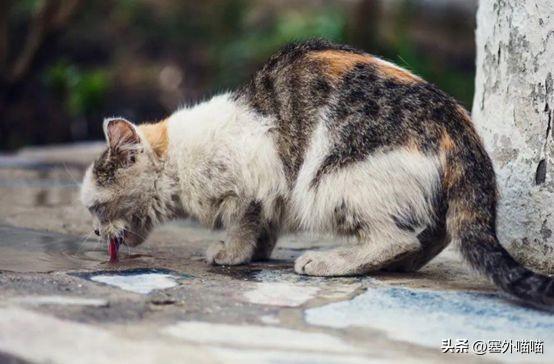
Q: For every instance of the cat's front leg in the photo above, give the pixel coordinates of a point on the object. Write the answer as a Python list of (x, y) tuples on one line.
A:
[(251, 238)]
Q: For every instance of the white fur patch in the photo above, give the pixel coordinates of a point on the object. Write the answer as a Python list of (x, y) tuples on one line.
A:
[(222, 156), (222, 137), (384, 185)]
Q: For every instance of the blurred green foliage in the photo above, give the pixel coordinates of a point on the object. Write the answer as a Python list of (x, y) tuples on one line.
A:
[(110, 58), (252, 44), (22, 8), (403, 51), (83, 91)]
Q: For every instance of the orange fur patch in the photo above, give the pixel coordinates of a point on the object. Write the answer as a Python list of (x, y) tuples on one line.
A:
[(337, 63), (446, 143), (464, 114), (156, 134), (413, 145), (462, 214), (452, 173)]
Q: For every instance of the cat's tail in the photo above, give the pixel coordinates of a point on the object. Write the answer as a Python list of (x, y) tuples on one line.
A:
[(471, 221)]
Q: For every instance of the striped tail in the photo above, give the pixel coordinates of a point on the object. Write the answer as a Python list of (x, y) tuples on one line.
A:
[(471, 221)]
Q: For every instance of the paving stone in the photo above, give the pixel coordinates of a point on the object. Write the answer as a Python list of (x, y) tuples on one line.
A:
[(40, 338), (62, 302), (257, 337), (280, 294), (426, 317)]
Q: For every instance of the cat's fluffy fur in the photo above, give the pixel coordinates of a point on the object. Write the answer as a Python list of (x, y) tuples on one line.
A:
[(323, 138)]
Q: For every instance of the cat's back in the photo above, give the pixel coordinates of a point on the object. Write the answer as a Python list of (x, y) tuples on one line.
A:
[(307, 73), (364, 102), (343, 115)]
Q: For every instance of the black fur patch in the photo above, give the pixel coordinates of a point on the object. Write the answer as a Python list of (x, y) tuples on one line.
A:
[(368, 112), (347, 222), (292, 89), (106, 166)]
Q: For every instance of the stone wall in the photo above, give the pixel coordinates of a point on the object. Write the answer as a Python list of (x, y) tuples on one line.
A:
[(512, 108)]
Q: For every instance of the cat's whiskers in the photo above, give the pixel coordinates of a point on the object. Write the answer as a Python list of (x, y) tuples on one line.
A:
[(77, 183), (84, 238), (137, 234)]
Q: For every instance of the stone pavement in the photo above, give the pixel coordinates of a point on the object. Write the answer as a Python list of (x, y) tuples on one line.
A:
[(61, 302)]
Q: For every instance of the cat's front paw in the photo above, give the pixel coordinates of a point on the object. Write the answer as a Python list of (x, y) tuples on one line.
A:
[(221, 254), (315, 264)]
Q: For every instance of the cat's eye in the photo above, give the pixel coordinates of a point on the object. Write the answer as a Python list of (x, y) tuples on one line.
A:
[(99, 210)]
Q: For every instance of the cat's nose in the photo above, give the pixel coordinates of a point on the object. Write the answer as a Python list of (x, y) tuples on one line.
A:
[(97, 232)]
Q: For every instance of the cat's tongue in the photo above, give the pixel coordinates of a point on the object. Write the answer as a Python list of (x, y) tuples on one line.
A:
[(113, 248)]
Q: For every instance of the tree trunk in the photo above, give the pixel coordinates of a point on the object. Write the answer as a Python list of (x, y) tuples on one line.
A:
[(512, 109)]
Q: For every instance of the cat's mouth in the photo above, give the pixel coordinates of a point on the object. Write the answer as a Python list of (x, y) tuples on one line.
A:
[(113, 248)]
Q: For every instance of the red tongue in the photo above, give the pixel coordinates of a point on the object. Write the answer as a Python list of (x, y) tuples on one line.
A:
[(113, 247)]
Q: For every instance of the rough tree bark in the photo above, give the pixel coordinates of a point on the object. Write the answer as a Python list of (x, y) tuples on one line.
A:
[(513, 110)]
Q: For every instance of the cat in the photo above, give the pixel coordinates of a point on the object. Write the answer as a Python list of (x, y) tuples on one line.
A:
[(323, 138)]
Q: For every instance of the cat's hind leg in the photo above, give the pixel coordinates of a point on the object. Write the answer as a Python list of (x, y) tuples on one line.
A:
[(372, 253), (433, 241)]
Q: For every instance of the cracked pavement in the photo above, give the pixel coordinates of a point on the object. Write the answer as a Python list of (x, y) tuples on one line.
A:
[(62, 302)]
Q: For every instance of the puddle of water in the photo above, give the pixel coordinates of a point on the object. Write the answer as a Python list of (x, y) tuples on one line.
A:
[(287, 289), (142, 280), (140, 283), (280, 294), (427, 317), (27, 250)]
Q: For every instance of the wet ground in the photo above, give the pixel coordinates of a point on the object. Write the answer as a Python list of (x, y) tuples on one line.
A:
[(62, 302)]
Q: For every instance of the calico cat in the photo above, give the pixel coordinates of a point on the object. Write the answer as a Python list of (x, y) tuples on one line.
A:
[(323, 138)]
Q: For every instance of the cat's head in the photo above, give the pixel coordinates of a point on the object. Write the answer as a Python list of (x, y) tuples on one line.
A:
[(120, 188)]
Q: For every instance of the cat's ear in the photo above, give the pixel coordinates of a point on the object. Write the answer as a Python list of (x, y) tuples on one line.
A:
[(122, 138), (120, 133)]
